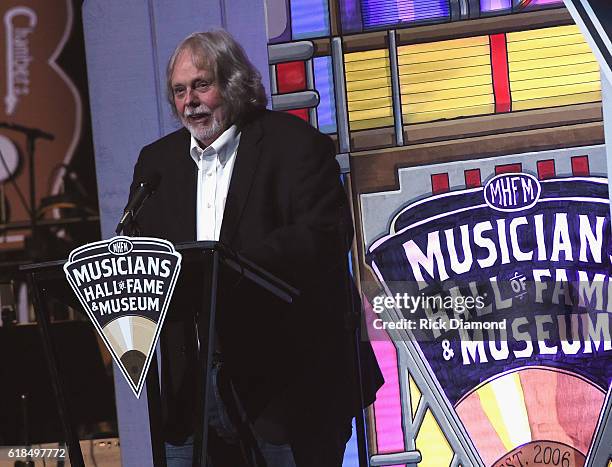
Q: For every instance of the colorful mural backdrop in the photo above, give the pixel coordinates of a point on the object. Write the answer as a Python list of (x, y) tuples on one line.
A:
[(470, 137)]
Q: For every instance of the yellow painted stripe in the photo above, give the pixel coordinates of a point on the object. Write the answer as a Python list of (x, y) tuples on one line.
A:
[(442, 45), (535, 54), (360, 85), (447, 104), (415, 395), (372, 123), (457, 94), (370, 104), (440, 76), (446, 79), (355, 96), (448, 114), (503, 403), (368, 78), (554, 91), (445, 64), (539, 33), (366, 64), (370, 113), (557, 101), (455, 84), (551, 62), (452, 54), (549, 72), (356, 56), (544, 42), (368, 74), (432, 443), (439, 94), (580, 78)]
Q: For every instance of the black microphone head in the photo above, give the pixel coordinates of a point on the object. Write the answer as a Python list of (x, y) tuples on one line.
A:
[(151, 180)]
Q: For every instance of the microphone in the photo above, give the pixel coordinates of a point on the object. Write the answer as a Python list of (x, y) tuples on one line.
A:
[(146, 188)]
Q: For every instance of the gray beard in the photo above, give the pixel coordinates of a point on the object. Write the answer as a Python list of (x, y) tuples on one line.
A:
[(206, 133)]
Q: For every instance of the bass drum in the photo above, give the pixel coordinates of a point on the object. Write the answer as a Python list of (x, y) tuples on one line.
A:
[(9, 158)]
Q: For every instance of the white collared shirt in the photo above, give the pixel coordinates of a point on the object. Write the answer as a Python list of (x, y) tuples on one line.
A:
[(215, 166)]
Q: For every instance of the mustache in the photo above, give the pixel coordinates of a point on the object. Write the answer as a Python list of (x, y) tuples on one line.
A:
[(200, 109)]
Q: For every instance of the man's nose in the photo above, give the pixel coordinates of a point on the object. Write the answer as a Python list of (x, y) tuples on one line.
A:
[(192, 98)]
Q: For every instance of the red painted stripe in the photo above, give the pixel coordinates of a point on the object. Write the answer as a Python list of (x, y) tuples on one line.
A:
[(302, 113), (580, 166), (472, 178), (508, 168), (290, 77), (501, 80), (523, 4), (439, 183), (546, 169)]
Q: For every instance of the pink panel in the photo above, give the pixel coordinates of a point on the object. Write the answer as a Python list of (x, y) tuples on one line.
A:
[(480, 429), (405, 10), (387, 408), (561, 407), (547, 2)]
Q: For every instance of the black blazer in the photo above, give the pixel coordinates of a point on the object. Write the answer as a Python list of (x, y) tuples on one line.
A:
[(286, 210)]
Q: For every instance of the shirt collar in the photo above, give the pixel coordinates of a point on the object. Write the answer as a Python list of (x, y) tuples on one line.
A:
[(224, 146)]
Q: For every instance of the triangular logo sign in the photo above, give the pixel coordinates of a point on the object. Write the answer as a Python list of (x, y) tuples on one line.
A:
[(125, 285)]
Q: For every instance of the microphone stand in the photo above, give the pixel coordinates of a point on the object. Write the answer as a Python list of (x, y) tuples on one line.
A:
[(31, 135)]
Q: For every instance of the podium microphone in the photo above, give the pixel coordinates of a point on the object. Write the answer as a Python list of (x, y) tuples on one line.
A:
[(146, 188)]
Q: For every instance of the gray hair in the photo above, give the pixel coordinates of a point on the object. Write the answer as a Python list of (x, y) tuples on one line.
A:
[(238, 80)]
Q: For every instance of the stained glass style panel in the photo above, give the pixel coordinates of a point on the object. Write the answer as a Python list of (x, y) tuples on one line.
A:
[(368, 84), (487, 6), (446, 79), (324, 84), (309, 18), (551, 67), (379, 13)]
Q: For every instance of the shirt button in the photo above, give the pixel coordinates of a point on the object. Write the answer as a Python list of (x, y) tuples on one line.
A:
[(209, 174), (208, 205)]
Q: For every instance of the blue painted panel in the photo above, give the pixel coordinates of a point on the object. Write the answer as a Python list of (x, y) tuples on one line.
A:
[(309, 18), (324, 84)]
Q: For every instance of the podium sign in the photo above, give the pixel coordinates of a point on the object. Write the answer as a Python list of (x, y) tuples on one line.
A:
[(125, 285)]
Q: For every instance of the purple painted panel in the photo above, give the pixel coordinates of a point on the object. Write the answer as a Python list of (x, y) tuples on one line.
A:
[(380, 13), (495, 5), (350, 15), (278, 21)]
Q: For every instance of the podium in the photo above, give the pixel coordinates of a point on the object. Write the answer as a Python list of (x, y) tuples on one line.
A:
[(208, 265)]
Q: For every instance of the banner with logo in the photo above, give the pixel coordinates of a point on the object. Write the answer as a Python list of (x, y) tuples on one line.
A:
[(125, 285), (492, 318), (511, 274)]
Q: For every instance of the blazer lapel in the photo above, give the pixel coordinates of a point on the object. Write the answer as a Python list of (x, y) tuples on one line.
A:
[(186, 174), (247, 157)]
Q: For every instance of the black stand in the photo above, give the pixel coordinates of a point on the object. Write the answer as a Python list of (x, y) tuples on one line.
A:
[(41, 279), (32, 134), (216, 262)]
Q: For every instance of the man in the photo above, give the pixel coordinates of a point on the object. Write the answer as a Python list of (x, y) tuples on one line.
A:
[(267, 185)]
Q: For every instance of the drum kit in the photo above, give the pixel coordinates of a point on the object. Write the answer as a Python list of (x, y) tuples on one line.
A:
[(48, 220)]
